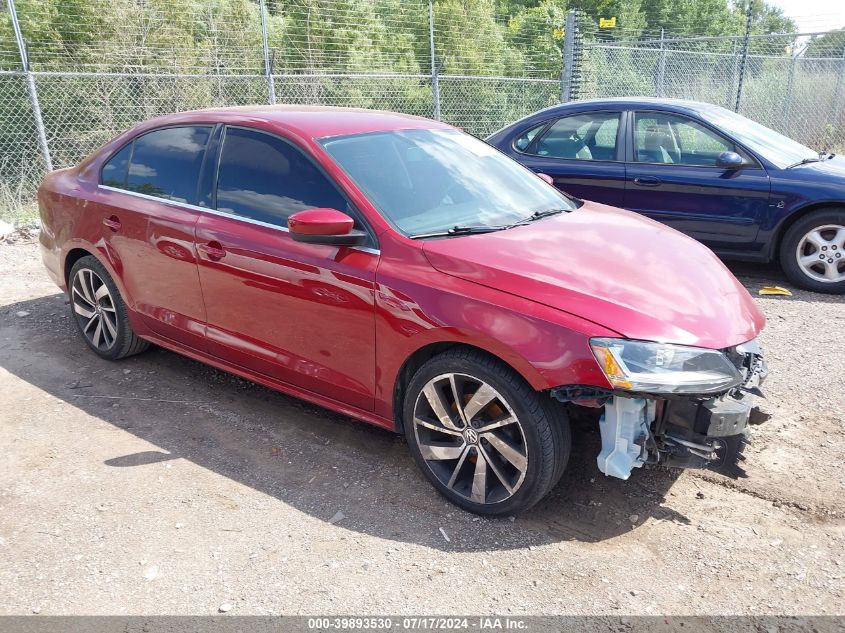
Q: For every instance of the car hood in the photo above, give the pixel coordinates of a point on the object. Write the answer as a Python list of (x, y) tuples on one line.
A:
[(612, 267)]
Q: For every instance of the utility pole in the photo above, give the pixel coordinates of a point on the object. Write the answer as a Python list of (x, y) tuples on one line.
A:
[(30, 87), (567, 67)]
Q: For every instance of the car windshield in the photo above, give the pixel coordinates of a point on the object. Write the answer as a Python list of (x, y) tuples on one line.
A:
[(774, 147), (431, 181)]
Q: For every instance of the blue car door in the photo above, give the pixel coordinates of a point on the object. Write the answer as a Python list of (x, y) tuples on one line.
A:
[(583, 153), (672, 177)]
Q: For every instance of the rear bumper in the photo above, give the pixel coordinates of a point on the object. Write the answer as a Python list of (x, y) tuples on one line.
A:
[(50, 258)]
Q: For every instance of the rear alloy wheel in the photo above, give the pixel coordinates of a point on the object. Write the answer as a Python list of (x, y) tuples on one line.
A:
[(100, 313), (813, 251), (483, 437), (93, 302)]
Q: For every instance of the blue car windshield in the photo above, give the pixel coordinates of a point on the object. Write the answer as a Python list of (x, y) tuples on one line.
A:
[(430, 181), (774, 147)]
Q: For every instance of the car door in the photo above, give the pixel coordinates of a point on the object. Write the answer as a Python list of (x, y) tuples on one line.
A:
[(673, 178), (581, 152), (148, 191), (300, 313)]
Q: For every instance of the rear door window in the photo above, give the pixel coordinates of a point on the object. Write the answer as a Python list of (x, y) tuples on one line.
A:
[(166, 163), (590, 136)]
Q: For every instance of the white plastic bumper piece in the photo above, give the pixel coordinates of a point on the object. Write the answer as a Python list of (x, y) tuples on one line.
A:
[(624, 430)]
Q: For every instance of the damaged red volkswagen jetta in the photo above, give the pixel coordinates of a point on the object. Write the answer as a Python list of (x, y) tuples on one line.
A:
[(399, 271)]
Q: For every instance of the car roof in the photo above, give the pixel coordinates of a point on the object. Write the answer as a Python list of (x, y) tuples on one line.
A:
[(309, 121), (634, 102)]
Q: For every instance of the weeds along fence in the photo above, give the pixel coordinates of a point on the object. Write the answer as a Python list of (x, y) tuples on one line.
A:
[(75, 74)]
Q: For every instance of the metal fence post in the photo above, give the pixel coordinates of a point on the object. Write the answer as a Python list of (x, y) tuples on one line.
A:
[(567, 67), (837, 92), (30, 88), (744, 58), (268, 69), (435, 81), (790, 82), (661, 66)]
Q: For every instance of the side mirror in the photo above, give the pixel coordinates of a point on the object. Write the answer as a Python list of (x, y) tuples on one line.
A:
[(324, 226), (546, 178), (729, 160)]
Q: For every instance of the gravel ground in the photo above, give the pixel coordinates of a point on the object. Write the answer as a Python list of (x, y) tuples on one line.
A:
[(159, 485)]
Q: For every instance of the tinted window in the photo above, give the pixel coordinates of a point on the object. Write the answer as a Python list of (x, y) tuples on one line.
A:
[(672, 139), (114, 171), (263, 178), (583, 136), (166, 163)]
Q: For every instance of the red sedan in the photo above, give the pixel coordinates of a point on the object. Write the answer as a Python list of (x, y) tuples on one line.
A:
[(399, 271)]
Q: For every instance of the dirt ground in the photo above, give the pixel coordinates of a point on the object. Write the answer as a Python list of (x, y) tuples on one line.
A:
[(157, 485)]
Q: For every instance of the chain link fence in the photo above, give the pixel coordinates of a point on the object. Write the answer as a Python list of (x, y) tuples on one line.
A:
[(790, 83), (75, 74), (93, 69)]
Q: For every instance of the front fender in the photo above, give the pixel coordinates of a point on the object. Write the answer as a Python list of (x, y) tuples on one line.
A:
[(545, 346)]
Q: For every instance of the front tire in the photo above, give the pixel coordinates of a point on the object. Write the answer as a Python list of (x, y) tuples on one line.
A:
[(99, 311), (481, 435), (812, 253)]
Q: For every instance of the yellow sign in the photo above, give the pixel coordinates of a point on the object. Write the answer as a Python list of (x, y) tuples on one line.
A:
[(557, 34), (607, 23)]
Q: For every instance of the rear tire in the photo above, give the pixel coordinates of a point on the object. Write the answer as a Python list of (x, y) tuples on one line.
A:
[(812, 252), (99, 312), (501, 451)]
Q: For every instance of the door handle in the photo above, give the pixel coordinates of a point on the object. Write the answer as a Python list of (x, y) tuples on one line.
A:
[(646, 181), (112, 222), (212, 250)]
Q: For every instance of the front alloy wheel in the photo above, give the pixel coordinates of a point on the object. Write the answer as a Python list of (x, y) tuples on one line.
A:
[(820, 253), (481, 435), (812, 252), (470, 438)]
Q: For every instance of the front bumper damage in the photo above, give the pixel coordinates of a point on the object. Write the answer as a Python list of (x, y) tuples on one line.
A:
[(679, 431)]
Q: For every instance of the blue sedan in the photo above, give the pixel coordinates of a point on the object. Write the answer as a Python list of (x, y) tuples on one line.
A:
[(741, 188)]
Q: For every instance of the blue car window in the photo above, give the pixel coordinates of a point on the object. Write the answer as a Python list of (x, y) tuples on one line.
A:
[(524, 140), (590, 136), (672, 139)]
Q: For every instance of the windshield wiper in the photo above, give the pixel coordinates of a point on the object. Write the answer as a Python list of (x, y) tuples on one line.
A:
[(537, 215), (806, 161), (471, 230), (458, 230)]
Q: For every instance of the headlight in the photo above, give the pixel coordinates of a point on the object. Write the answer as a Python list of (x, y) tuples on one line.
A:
[(663, 368)]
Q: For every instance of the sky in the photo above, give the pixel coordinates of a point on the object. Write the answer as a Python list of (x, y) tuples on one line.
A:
[(814, 15)]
